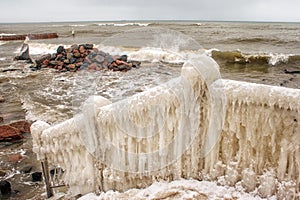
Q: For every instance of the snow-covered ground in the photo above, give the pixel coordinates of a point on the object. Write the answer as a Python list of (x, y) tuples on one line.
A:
[(179, 189)]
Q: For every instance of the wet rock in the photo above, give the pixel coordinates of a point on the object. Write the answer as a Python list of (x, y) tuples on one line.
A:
[(88, 46), (53, 62), (72, 60), (72, 66), (26, 169), (81, 49), (2, 173), (2, 99), (291, 71), (43, 58), (99, 58), (78, 64), (93, 66), (22, 126), (5, 187), (79, 57), (24, 53), (15, 158), (60, 50), (74, 47), (124, 58), (8, 133), (36, 176)]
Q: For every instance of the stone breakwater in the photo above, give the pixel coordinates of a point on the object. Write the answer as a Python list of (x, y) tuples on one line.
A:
[(31, 36), (83, 56)]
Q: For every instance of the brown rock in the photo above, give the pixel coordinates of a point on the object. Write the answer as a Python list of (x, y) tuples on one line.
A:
[(78, 64), (1, 119), (69, 55), (87, 60), (77, 55), (81, 49), (9, 133), (53, 62), (2, 99), (22, 126), (45, 62), (74, 47), (93, 66), (15, 158), (72, 66), (2, 173)]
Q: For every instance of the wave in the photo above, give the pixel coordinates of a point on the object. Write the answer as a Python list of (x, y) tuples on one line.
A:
[(156, 55), (78, 25), (7, 34), (2, 43), (122, 24), (139, 54), (243, 58), (41, 48), (159, 55)]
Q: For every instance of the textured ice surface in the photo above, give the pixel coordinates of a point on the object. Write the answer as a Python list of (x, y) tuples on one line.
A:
[(175, 131)]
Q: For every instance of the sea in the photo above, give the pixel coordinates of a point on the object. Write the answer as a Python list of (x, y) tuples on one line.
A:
[(259, 52)]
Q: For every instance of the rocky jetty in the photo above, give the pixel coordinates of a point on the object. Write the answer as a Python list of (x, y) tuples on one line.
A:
[(83, 56), (31, 36)]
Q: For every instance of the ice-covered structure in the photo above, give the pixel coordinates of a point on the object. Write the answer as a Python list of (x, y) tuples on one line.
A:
[(194, 126)]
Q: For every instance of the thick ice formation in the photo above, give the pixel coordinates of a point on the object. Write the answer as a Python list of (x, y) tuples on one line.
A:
[(175, 131)]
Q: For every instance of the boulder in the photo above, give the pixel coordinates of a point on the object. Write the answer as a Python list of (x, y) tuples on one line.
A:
[(24, 53), (99, 58), (5, 187), (2, 99), (60, 49), (81, 49), (14, 130), (26, 169), (2, 173), (15, 158), (8, 133), (88, 46), (36, 176), (22, 126)]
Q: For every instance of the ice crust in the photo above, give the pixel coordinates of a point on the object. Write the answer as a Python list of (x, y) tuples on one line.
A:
[(195, 126)]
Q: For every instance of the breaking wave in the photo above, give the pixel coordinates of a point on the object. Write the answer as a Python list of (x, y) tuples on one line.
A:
[(142, 54), (122, 24), (153, 54), (238, 57)]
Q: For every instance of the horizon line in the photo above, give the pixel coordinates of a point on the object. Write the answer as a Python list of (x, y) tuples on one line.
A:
[(151, 20)]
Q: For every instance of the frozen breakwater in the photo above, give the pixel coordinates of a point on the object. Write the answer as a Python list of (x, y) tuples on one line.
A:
[(195, 126)]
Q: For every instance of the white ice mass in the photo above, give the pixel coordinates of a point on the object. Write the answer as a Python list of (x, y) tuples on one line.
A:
[(195, 126)]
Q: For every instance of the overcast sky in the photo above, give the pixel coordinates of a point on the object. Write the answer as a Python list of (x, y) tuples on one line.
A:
[(103, 10)]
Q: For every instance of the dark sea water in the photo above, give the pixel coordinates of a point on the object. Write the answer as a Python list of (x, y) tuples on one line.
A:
[(246, 51)]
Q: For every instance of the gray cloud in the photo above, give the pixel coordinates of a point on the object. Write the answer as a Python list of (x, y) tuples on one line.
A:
[(78, 10)]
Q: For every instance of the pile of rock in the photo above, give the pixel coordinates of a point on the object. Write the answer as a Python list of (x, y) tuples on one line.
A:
[(84, 56)]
